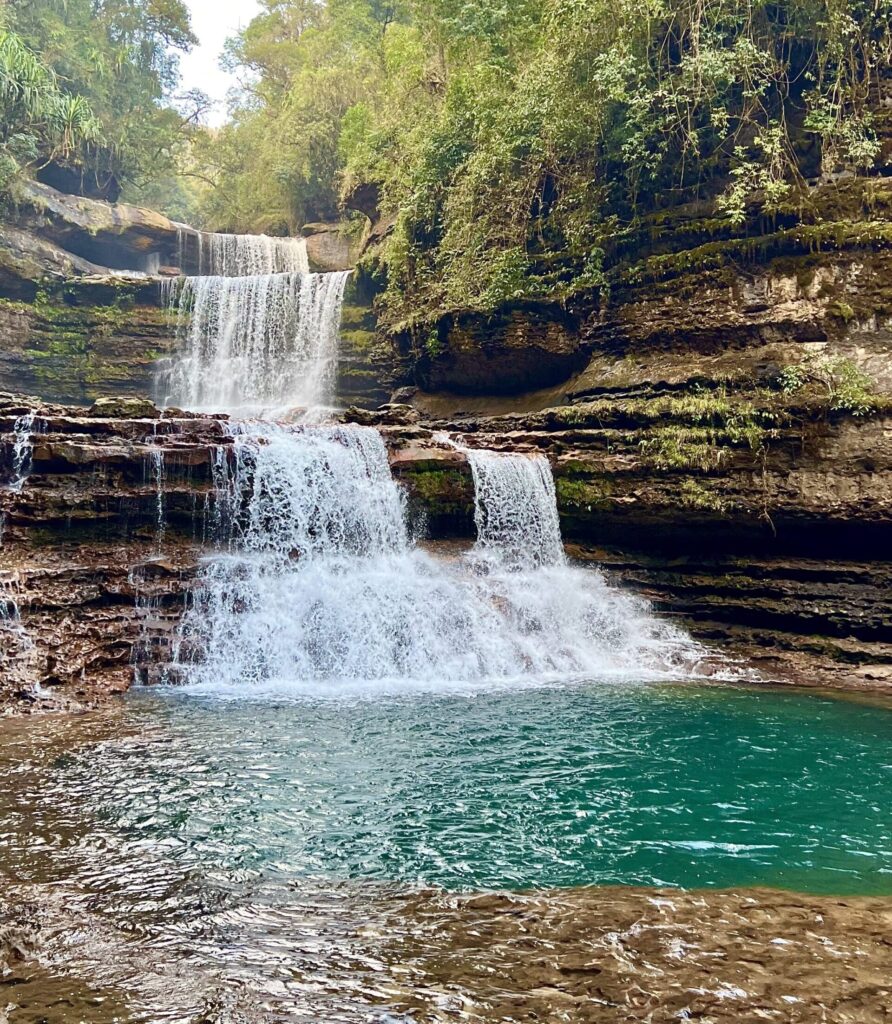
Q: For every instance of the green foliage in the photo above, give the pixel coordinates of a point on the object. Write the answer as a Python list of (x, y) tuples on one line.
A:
[(695, 494), (851, 390), (108, 68), (846, 387), (512, 141), (36, 116), (678, 447), (792, 379)]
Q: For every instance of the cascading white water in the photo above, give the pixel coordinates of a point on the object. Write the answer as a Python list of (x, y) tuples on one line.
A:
[(157, 457), (256, 343), (24, 428), (15, 641), (224, 255), (516, 508), (320, 582)]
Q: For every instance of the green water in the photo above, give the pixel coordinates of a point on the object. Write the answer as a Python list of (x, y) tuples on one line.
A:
[(588, 785)]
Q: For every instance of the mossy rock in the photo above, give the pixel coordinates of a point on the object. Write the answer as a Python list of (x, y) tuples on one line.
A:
[(124, 408)]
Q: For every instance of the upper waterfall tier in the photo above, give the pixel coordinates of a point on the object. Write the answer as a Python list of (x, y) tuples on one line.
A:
[(255, 343), (216, 254)]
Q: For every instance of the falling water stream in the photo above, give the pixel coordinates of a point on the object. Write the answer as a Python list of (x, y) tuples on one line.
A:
[(248, 255), (24, 429), (256, 331), (318, 581), (365, 732)]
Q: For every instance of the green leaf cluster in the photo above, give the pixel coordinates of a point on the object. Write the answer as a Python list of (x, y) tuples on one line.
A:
[(512, 143)]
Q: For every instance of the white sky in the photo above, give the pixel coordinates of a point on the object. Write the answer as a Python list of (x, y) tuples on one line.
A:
[(213, 21)]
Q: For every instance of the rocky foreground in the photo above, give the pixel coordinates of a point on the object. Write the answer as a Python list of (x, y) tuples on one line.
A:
[(107, 511)]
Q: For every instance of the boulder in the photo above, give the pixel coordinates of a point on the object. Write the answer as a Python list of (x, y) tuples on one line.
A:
[(112, 234), (27, 260), (330, 246), (124, 408)]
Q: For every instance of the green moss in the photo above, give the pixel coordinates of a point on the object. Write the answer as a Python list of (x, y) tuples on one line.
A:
[(357, 317), (695, 494), (842, 311), (674, 448), (804, 238), (359, 341), (440, 491), (585, 493)]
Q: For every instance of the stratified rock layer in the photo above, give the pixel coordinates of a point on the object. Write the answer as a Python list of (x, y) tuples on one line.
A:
[(102, 538)]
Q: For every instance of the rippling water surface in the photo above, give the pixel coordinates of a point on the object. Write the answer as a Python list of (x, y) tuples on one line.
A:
[(610, 784), (229, 830)]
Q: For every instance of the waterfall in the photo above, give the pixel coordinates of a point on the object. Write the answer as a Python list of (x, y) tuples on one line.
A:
[(317, 584), (225, 255), (251, 255), (515, 508), (157, 459), (24, 428), (15, 642), (257, 342)]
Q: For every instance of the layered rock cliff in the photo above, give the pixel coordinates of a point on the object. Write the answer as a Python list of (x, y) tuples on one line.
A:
[(719, 424), (107, 511)]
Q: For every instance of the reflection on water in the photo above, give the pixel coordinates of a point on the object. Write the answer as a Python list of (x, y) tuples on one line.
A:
[(182, 859)]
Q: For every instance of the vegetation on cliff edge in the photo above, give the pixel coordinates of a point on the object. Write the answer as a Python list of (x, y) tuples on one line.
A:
[(514, 144)]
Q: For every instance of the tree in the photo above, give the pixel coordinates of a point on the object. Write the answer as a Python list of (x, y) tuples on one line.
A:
[(38, 121), (119, 57)]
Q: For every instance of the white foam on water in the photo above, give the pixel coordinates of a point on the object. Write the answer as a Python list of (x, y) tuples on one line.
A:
[(318, 588)]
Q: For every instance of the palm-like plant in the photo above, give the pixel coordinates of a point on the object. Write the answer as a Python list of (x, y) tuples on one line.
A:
[(37, 117)]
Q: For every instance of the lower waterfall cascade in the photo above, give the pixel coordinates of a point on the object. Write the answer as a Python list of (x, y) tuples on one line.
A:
[(317, 580), (516, 508)]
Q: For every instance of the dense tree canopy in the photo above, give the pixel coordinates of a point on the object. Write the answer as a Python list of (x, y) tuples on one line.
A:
[(117, 59), (511, 143), (512, 138), (36, 116)]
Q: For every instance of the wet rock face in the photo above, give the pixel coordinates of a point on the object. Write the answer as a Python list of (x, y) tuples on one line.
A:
[(698, 324), (102, 520), (782, 552), (83, 350), (110, 234), (503, 354)]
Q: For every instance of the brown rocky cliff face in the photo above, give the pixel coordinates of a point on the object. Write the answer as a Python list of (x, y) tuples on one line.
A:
[(102, 540), (719, 430), (98, 546)]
